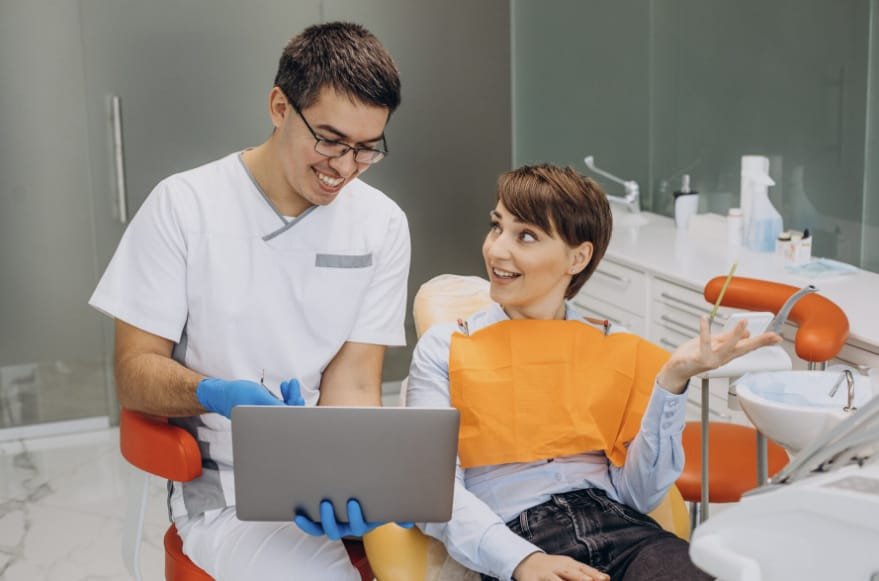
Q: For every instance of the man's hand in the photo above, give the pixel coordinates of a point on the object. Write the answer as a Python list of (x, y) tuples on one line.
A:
[(292, 393), (220, 396), (357, 525), (707, 352), (543, 567)]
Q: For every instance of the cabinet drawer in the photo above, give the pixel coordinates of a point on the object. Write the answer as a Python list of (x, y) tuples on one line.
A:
[(681, 320), (618, 285), (595, 308), (679, 299), (667, 336)]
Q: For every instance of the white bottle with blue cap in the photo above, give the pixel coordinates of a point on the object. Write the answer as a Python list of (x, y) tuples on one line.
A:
[(763, 223)]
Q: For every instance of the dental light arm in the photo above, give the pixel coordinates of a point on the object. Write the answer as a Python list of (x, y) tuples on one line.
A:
[(631, 201)]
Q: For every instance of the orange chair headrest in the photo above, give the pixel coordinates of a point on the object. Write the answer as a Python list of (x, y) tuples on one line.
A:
[(823, 326), (448, 297)]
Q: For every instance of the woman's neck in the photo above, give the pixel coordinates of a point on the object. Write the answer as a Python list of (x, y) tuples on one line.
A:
[(542, 312)]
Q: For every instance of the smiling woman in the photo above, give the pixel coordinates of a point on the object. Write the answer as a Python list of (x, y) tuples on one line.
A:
[(569, 430)]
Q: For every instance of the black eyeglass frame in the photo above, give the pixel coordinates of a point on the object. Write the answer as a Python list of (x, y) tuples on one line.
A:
[(378, 153)]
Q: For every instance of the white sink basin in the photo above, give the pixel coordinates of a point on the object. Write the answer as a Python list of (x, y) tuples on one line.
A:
[(794, 408)]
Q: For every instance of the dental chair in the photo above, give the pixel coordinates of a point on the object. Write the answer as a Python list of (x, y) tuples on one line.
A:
[(156, 448), (738, 457), (398, 554)]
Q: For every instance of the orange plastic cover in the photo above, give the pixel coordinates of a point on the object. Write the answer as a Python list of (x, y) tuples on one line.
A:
[(155, 446), (823, 326), (531, 390)]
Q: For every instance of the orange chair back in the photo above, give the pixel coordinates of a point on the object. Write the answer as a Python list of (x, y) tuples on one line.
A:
[(823, 326), (155, 446)]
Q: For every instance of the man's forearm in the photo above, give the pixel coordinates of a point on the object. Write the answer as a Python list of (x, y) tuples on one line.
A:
[(158, 385)]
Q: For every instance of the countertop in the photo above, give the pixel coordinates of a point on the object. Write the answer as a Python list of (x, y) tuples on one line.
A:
[(683, 257)]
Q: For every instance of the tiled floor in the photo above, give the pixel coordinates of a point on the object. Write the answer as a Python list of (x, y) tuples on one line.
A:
[(62, 505)]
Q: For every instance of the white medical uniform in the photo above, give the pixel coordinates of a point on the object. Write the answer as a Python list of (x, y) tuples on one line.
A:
[(209, 263)]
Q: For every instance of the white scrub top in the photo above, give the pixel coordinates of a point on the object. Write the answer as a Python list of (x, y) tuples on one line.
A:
[(209, 263)]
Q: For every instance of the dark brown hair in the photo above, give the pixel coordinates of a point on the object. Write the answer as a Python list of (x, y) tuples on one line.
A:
[(562, 202), (341, 55)]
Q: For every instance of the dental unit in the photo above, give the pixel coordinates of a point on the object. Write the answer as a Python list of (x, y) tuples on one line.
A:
[(817, 519)]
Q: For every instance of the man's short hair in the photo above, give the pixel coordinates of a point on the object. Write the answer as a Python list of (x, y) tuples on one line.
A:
[(341, 55), (562, 202)]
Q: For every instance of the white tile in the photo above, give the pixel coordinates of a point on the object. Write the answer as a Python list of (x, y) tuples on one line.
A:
[(62, 508), (36, 463), (21, 570), (12, 526)]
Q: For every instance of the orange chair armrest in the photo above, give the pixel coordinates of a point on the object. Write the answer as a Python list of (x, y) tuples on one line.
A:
[(155, 446), (823, 326)]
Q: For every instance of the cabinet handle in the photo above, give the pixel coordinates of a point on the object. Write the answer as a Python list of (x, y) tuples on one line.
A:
[(719, 317), (688, 328), (119, 158), (711, 412), (667, 343), (616, 277)]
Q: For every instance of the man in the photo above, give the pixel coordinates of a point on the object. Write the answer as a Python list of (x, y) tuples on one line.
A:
[(267, 265)]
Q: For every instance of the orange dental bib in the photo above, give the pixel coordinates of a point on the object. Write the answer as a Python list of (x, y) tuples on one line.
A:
[(531, 390)]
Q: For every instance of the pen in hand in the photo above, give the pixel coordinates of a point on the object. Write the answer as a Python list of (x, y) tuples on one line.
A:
[(713, 314)]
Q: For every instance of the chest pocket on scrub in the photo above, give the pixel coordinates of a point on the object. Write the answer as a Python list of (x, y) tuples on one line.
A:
[(338, 282)]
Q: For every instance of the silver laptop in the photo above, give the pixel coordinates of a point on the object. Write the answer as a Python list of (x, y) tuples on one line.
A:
[(398, 462)]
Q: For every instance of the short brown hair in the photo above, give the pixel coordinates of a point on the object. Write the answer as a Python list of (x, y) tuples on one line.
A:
[(341, 55), (560, 201)]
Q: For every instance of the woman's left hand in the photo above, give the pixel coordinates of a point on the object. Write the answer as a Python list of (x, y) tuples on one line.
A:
[(707, 352)]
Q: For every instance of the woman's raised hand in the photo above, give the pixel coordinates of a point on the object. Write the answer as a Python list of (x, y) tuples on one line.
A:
[(707, 352)]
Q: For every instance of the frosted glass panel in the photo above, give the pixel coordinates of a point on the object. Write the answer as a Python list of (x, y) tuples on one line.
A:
[(658, 89), (870, 246), (52, 358), (580, 85), (768, 78)]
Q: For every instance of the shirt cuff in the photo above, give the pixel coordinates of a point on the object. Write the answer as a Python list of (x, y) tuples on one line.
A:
[(666, 412), (501, 550)]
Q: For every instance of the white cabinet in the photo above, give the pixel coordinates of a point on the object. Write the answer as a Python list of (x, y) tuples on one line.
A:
[(616, 292), (619, 285)]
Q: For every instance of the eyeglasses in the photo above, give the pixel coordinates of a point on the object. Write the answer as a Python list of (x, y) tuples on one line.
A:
[(334, 149)]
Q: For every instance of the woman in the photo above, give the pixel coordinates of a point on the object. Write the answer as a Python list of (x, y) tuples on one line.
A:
[(571, 431)]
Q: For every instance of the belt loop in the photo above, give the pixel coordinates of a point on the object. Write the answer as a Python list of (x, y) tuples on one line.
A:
[(523, 522)]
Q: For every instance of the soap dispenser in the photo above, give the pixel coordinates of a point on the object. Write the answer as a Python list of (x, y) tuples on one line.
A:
[(763, 223)]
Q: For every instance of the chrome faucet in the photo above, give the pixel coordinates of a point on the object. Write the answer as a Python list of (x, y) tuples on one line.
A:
[(631, 201), (779, 319), (850, 382)]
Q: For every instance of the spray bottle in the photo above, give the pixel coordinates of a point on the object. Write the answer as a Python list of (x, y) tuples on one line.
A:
[(762, 221)]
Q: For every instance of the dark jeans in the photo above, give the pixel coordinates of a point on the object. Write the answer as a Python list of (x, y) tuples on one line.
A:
[(618, 540)]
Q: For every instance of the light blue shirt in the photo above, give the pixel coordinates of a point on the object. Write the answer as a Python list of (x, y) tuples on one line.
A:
[(489, 496)]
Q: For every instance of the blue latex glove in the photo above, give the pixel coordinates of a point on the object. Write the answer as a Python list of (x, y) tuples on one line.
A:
[(356, 526), (291, 392), (220, 396)]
